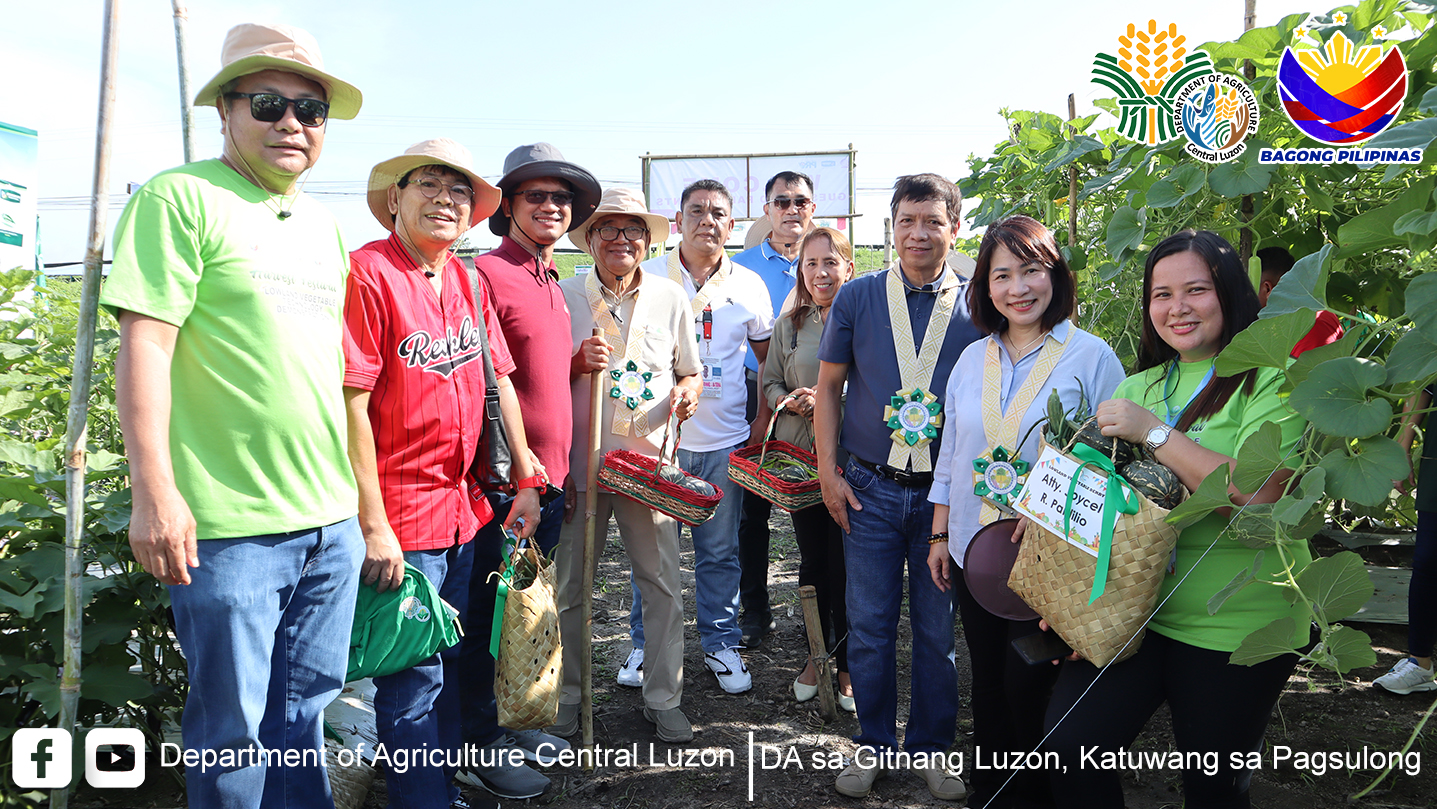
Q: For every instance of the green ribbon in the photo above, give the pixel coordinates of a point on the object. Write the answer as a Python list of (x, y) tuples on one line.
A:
[(506, 577), (1119, 499)]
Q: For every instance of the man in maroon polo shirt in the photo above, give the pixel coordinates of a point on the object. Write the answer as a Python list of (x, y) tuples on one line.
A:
[(544, 197)]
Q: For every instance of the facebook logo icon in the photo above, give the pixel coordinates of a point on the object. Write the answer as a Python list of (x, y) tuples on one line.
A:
[(41, 758)]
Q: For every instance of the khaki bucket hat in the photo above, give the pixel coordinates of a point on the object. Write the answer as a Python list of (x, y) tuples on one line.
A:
[(252, 47), (434, 152), (625, 202)]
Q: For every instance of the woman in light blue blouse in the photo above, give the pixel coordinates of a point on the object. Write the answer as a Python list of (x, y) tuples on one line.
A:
[(1021, 296)]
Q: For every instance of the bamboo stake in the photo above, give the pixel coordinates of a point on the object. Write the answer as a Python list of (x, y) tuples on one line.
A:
[(1245, 210), (78, 415), (808, 597), (887, 241), (591, 510), (1072, 179), (187, 112)]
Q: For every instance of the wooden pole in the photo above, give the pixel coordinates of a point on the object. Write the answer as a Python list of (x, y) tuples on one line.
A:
[(77, 420), (187, 112), (1245, 210), (1072, 178), (591, 510), (817, 653)]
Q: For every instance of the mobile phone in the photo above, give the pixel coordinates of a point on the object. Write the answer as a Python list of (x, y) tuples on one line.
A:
[(1041, 647)]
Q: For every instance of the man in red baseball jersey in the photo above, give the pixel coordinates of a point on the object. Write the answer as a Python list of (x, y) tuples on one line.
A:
[(414, 384)]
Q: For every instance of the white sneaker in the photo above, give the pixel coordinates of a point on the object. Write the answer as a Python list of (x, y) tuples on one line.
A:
[(631, 673), (728, 667), (1407, 677)]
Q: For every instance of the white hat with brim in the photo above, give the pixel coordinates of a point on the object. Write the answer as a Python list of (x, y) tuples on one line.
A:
[(757, 232), (621, 202), (435, 152), (251, 48)]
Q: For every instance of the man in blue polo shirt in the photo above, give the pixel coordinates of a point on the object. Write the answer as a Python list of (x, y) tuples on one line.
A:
[(893, 337), (788, 208)]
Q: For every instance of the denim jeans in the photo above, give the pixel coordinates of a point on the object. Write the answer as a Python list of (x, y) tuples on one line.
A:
[(716, 565), (480, 716), (892, 529), (419, 707), (265, 627)]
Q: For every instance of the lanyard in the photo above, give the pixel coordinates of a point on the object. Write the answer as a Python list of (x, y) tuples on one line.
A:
[(1170, 385)]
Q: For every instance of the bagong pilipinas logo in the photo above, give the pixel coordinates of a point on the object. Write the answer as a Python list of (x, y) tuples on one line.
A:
[(1341, 94), (1147, 74), (1217, 112)]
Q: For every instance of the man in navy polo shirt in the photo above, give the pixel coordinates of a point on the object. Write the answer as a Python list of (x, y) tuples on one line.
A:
[(893, 337), (788, 206)]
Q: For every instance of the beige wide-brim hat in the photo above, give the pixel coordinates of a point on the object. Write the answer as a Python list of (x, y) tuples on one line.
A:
[(435, 152), (621, 202), (757, 232), (252, 47)]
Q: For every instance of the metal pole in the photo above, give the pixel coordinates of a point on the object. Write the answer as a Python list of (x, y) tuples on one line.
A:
[(77, 418), (187, 112), (1072, 179), (591, 511), (852, 201)]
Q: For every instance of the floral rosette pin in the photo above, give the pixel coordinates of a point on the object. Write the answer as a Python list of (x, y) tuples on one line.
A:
[(914, 416), (632, 385), (997, 476)]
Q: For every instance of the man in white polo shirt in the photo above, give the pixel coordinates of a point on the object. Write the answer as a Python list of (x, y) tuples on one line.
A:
[(731, 316)]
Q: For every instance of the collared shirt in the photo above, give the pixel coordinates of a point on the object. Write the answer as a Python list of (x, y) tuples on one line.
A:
[(1087, 365), (531, 311), (740, 314), (667, 350), (859, 335), (419, 356), (777, 273)]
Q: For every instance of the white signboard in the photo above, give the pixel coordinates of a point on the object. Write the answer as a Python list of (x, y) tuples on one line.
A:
[(745, 176), (19, 169), (1045, 495)]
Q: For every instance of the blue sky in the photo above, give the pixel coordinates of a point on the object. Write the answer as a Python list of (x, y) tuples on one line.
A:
[(915, 85)]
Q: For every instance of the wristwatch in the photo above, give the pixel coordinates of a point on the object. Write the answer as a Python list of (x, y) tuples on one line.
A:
[(1157, 436), (532, 482)]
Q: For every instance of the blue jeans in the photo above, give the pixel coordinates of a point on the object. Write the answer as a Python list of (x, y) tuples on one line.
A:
[(716, 566), (892, 529), (265, 627), (418, 708), (476, 684)]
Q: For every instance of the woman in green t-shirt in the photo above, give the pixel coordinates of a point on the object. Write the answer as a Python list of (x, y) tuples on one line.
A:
[(1197, 299)]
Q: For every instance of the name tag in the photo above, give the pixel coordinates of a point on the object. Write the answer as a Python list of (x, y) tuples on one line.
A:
[(713, 380), (1046, 495)]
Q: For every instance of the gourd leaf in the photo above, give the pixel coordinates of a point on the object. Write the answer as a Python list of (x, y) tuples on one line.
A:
[(1265, 343), (1302, 287), (1366, 476), (1260, 456), (1241, 580), (1337, 585), (1334, 398), (1266, 643), (1210, 496)]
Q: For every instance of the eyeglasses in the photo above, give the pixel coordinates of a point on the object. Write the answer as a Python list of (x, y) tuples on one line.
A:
[(633, 233), (270, 107), (537, 197), (460, 194), (784, 202)]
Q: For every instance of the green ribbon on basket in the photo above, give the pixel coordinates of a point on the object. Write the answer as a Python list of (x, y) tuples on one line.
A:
[(1119, 499), (506, 577)]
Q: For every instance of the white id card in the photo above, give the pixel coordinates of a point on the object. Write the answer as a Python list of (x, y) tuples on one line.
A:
[(713, 379)]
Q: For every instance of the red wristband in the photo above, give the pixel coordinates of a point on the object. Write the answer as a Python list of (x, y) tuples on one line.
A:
[(534, 482)]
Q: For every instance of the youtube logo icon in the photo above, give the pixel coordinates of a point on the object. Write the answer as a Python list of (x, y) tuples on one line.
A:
[(115, 758)]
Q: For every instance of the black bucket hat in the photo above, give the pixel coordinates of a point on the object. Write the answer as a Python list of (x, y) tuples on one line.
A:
[(543, 160)]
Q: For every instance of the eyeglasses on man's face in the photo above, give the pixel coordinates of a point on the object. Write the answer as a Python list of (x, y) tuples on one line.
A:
[(783, 203), (633, 233), (537, 196), (461, 194)]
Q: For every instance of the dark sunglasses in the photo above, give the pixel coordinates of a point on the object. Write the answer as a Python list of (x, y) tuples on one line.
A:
[(270, 107), (784, 202), (537, 197)]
